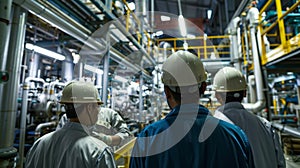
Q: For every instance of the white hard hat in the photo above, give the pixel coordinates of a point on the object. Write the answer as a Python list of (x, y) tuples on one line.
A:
[(229, 79), (80, 92), (183, 68)]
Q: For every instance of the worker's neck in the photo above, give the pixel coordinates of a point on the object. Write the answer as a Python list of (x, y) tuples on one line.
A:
[(74, 120)]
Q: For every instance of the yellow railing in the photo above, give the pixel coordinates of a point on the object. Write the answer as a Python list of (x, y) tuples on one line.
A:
[(287, 41), (136, 19), (205, 47), (124, 152)]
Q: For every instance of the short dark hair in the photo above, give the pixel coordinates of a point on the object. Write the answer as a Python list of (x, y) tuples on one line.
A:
[(71, 111), (236, 96), (182, 92)]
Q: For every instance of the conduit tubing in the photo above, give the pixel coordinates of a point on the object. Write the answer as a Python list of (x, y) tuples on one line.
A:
[(286, 129), (255, 107), (38, 129), (26, 87)]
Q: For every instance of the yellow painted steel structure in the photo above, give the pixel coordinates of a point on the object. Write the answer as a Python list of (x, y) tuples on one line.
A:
[(287, 42), (136, 19), (124, 152), (203, 51)]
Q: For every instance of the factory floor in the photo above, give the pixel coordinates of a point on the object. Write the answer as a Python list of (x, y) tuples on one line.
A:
[(292, 161)]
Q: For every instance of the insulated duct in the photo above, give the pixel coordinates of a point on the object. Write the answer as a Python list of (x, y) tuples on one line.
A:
[(69, 26), (286, 129), (235, 42), (260, 103)]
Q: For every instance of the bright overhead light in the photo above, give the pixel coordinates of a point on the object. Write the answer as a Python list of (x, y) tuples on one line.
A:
[(121, 79), (165, 18), (159, 33), (131, 6), (185, 46), (182, 26), (76, 57), (192, 36), (209, 13), (93, 69), (45, 52)]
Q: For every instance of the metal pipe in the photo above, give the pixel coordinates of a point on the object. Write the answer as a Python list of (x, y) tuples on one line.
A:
[(234, 42), (52, 85), (226, 11), (141, 102), (251, 85), (179, 7), (26, 87), (5, 26), (33, 64), (255, 107), (38, 129), (152, 16), (67, 67), (220, 18), (69, 28), (65, 24), (105, 78), (9, 94), (286, 129), (118, 24)]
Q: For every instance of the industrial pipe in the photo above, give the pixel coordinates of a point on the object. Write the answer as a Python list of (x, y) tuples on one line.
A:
[(69, 28), (50, 91), (235, 43), (117, 23), (286, 129), (26, 87), (253, 19), (40, 127), (9, 94)]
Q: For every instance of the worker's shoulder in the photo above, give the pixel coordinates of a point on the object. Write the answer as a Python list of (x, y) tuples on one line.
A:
[(91, 143), (232, 129), (106, 110)]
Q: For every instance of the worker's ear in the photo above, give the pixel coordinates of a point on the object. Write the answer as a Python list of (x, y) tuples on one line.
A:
[(167, 92), (202, 88)]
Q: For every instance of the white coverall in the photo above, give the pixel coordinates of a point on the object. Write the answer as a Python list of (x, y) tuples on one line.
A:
[(70, 146), (109, 123)]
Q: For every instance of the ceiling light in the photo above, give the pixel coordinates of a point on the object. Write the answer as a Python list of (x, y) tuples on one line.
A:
[(185, 46), (159, 33), (76, 57), (131, 6), (93, 69), (209, 13), (165, 18), (121, 79), (45, 52), (182, 26)]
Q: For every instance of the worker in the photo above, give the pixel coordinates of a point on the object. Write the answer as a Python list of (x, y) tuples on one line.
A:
[(110, 127), (189, 136), (72, 146), (230, 89)]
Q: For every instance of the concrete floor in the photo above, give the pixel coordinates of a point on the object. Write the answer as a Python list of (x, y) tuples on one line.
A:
[(292, 161)]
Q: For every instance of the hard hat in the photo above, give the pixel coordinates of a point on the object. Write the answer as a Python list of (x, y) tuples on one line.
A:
[(80, 92), (183, 68), (229, 79)]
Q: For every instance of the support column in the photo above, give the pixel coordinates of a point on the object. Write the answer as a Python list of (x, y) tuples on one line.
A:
[(141, 100), (105, 78), (5, 25), (10, 89)]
